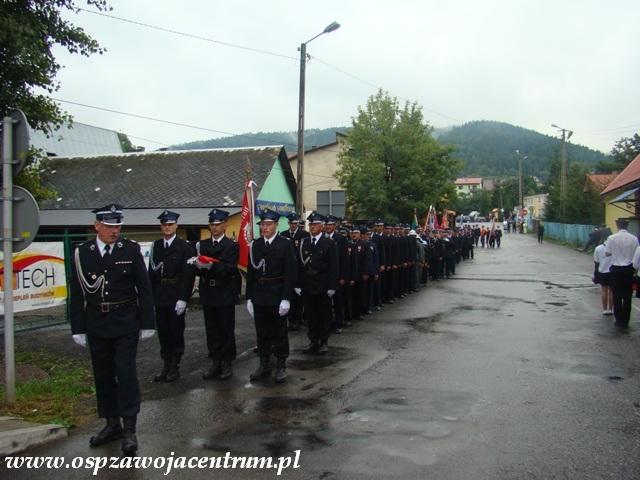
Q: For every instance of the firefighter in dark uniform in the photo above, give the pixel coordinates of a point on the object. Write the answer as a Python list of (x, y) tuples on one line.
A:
[(359, 280), (111, 309), (295, 234), (271, 277), (391, 257), (171, 282), (379, 240), (339, 299), (317, 283), (216, 264)]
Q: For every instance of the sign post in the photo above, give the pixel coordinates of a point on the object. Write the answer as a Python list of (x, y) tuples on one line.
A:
[(14, 144)]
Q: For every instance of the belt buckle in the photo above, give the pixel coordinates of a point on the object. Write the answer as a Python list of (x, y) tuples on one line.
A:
[(212, 282), (104, 308)]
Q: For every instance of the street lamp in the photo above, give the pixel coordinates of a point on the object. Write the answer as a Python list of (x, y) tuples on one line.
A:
[(520, 183), (303, 62)]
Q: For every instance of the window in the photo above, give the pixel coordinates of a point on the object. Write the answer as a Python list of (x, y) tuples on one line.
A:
[(331, 202)]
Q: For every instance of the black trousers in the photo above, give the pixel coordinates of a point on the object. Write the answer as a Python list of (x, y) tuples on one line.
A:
[(339, 307), (114, 372), (220, 325), (621, 278), (271, 330), (296, 311), (170, 332), (317, 313)]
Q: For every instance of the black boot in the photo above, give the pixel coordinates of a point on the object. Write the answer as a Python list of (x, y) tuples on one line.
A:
[(225, 371), (323, 348), (312, 347), (112, 431), (263, 371), (214, 371), (162, 376), (174, 373), (281, 370), (129, 440)]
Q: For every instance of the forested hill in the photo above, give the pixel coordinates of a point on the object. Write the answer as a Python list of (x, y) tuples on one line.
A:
[(488, 148), (312, 138)]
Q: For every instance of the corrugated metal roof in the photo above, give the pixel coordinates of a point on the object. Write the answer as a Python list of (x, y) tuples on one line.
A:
[(132, 216), (77, 140), (170, 179)]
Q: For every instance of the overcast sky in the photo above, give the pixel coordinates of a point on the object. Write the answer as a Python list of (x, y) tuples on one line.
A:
[(530, 63)]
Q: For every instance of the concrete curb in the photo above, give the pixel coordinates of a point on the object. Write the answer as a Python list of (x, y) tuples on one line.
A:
[(16, 435)]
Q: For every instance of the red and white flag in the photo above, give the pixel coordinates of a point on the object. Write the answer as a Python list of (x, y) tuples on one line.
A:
[(247, 215)]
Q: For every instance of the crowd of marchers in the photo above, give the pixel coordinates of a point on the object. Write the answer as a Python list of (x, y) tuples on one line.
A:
[(325, 277)]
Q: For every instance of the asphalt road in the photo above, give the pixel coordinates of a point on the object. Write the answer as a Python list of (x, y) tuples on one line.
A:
[(507, 371)]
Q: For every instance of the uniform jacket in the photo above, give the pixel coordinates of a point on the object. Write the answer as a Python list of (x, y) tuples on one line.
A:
[(173, 278), (342, 244), (125, 278), (295, 238), (361, 263), (272, 271), (379, 241), (318, 266), (218, 285)]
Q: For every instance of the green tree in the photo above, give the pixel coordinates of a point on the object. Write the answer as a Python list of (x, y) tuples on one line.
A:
[(29, 31), (583, 205), (625, 150), (391, 163)]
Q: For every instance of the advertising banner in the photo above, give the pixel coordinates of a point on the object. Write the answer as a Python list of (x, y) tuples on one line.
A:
[(39, 279)]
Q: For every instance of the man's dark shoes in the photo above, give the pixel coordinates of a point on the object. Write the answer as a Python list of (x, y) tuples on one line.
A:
[(281, 371), (263, 371), (214, 371), (225, 370), (174, 373), (129, 440), (112, 431), (162, 376), (311, 348)]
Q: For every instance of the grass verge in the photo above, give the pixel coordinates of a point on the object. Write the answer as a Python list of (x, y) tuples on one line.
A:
[(56, 390)]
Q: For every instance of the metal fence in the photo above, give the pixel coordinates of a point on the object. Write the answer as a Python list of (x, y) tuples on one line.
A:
[(577, 235)]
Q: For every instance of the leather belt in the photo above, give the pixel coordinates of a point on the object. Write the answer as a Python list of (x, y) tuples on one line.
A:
[(168, 281), (218, 282), (106, 307), (269, 280)]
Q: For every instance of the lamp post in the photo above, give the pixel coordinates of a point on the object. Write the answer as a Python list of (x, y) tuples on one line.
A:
[(520, 182), (300, 170), (566, 135)]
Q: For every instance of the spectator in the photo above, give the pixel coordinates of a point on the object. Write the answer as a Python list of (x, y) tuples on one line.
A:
[(602, 277)]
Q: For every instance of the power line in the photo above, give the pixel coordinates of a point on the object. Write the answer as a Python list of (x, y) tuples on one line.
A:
[(257, 50), (379, 87), (189, 35), (169, 122)]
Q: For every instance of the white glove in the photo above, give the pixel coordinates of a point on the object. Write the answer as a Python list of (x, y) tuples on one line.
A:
[(181, 306), (250, 307), (284, 308), (298, 291), (80, 339), (144, 334), (331, 293)]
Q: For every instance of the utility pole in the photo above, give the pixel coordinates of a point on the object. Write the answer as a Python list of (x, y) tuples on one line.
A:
[(301, 98), (565, 135), (520, 179)]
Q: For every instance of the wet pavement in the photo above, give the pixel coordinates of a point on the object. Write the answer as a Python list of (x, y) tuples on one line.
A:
[(507, 371)]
